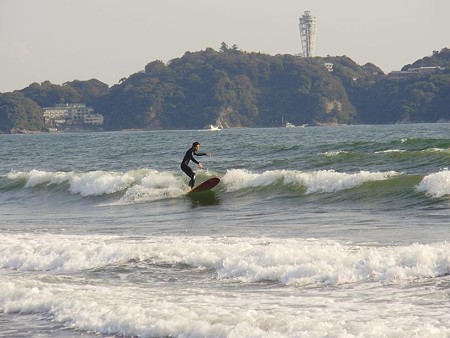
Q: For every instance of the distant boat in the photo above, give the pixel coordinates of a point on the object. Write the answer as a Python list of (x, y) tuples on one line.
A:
[(289, 125), (286, 123), (213, 127)]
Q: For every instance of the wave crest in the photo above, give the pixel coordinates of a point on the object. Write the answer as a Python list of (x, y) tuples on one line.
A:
[(136, 185), (436, 184), (297, 262), (312, 182)]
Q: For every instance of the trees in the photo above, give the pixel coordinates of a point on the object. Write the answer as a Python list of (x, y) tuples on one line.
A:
[(88, 91), (423, 98), (230, 87), (47, 94), (438, 58), (237, 88), (20, 113)]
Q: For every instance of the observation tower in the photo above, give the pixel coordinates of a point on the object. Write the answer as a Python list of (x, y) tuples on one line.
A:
[(308, 29)]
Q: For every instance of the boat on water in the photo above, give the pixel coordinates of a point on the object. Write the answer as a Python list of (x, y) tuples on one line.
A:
[(289, 125), (213, 127), (286, 124)]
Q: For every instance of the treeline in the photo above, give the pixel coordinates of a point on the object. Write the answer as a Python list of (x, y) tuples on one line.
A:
[(228, 87), (22, 109), (239, 89)]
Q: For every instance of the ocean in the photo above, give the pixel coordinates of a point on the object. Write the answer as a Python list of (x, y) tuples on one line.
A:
[(312, 232)]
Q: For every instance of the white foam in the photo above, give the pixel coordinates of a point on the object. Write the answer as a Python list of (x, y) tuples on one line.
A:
[(85, 184), (428, 150), (437, 150), (391, 151), (289, 262), (315, 181), (142, 311), (237, 179), (139, 185), (33, 177), (145, 309), (334, 153), (436, 184), (100, 182), (154, 187)]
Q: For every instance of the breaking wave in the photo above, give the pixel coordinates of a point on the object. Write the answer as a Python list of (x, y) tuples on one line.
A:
[(296, 262), (147, 185)]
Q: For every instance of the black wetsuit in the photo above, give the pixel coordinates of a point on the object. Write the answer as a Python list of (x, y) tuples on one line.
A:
[(189, 156)]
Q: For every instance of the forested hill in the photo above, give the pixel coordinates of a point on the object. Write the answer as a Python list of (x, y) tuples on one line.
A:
[(240, 89), (231, 88)]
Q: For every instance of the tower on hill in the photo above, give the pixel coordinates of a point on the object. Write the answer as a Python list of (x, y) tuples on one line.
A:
[(308, 29)]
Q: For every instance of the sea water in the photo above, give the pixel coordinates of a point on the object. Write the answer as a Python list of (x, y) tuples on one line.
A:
[(312, 232)]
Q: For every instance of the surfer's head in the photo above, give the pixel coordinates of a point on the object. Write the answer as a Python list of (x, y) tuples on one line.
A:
[(195, 145)]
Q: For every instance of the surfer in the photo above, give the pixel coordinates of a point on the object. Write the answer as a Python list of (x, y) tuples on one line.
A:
[(189, 156)]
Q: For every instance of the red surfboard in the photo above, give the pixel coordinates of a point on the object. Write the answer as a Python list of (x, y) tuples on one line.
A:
[(207, 185)]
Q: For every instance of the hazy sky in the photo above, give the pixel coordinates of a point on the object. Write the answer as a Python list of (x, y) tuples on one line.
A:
[(65, 40)]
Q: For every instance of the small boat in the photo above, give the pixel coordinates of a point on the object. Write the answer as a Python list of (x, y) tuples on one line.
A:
[(213, 127), (287, 124)]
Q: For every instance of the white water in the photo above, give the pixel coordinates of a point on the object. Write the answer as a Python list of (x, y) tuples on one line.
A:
[(183, 299), (148, 182), (436, 184)]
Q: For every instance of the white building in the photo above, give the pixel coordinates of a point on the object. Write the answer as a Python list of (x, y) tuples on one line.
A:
[(328, 66), (308, 30), (71, 114), (93, 119), (55, 115)]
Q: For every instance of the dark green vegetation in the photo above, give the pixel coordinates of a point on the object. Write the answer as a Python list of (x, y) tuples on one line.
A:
[(239, 89), (18, 112)]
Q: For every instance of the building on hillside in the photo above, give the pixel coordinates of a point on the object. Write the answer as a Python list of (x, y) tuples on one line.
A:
[(308, 30), (54, 116), (328, 66), (93, 119), (414, 72), (72, 114)]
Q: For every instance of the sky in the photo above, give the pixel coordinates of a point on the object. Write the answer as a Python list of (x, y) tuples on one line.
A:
[(66, 40)]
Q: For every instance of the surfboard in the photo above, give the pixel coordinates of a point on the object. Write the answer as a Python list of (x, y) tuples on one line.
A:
[(207, 185)]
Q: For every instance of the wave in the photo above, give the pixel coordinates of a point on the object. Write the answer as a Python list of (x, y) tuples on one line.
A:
[(435, 150), (137, 186), (335, 153), (116, 285), (424, 143), (312, 182), (436, 184), (86, 184), (288, 262), (147, 185)]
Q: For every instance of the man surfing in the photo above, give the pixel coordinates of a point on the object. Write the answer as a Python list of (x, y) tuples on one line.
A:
[(189, 156)]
